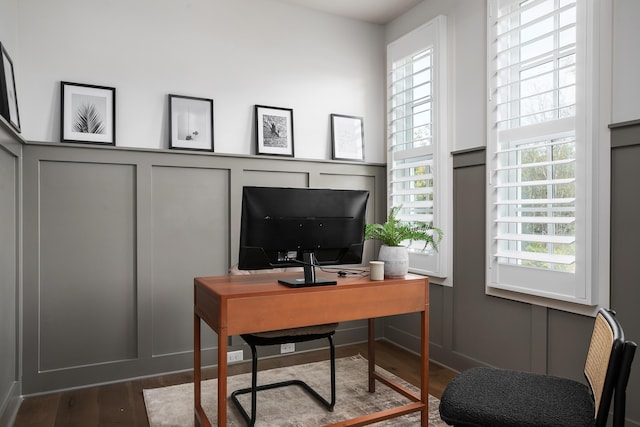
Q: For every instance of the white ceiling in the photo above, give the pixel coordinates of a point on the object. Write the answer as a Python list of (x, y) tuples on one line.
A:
[(374, 11)]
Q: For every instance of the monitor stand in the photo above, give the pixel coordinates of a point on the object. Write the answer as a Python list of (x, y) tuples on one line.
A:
[(310, 278)]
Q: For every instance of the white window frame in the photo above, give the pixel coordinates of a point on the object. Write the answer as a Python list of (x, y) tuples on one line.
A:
[(588, 288), (431, 35)]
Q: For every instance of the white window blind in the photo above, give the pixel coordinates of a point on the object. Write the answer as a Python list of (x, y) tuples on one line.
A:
[(411, 178), (415, 117), (535, 202), (538, 149)]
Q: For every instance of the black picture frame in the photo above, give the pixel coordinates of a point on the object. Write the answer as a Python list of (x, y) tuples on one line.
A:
[(190, 123), (88, 113), (347, 137), (274, 131), (8, 93)]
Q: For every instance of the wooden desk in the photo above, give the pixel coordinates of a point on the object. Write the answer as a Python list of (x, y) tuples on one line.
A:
[(233, 305)]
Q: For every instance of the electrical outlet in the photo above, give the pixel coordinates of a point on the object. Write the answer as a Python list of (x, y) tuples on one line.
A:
[(287, 348), (235, 356)]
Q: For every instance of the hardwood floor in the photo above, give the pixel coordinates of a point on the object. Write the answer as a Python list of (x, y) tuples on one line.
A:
[(122, 403)]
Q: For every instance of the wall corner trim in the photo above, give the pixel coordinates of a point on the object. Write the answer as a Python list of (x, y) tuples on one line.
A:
[(625, 134), (469, 157)]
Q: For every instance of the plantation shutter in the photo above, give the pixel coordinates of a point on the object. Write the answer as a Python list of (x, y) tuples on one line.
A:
[(414, 132), (535, 193), (411, 148)]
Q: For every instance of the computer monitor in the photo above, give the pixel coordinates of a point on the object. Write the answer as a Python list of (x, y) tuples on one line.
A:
[(293, 227)]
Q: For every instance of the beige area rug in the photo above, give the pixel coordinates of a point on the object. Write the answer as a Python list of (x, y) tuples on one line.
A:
[(290, 406)]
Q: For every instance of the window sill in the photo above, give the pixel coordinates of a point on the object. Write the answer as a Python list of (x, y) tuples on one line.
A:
[(571, 307)]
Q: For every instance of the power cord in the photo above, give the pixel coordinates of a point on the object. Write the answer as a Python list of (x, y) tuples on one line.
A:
[(341, 272), (344, 272)]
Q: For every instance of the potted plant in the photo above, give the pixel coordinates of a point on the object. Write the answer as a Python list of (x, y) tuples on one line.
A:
[(392, 233)]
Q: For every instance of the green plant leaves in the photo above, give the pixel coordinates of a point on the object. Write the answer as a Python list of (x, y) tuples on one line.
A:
[(394, 232)]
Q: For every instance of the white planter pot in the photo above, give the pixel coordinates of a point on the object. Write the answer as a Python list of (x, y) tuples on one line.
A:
[(396, 260)]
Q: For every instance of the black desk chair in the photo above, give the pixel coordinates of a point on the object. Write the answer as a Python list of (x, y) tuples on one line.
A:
[(496, 397), (285, 336)]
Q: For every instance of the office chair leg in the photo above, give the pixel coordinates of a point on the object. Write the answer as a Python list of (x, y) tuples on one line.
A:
[(251, 419)]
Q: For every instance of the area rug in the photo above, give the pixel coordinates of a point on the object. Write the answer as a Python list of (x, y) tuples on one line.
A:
[(290, 406)]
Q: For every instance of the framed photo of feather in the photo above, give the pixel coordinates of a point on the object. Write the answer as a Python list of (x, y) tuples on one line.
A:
[(88, 114)]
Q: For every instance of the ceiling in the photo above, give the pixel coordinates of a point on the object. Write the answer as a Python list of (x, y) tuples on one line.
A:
[(373, 11)]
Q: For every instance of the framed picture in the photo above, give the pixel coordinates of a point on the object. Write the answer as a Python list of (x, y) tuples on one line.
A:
[(190, 123), (8, 97), (274, 130), (88, 114), (347, 137)]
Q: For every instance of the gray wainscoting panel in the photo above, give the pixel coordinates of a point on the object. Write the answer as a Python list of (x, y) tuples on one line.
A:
[(10, 280), (467, 327), (437, 313), (482, 325), (190, 217), (87, 284), (482, 330), (350, 182), (113, 239), (625, 238), (275, 179), (8, 271), (134, 258), (568, 339)]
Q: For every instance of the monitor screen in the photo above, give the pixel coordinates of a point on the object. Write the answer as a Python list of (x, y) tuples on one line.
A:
[(301, 227)]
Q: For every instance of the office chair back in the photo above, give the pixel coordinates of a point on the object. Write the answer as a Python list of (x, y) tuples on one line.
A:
[(603, 361)]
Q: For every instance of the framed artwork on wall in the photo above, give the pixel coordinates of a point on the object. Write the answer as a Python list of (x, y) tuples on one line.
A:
[(274, 130), (347, 139), (8, 96), (88, 113), (190, 123)]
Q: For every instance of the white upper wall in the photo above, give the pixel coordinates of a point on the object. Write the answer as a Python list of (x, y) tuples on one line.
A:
[(626, 61), (466, 41), (8, 26), (246, 52), (239, 53), (466, 23)]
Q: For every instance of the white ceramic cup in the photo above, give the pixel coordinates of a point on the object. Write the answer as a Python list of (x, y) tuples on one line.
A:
[(377, 270)]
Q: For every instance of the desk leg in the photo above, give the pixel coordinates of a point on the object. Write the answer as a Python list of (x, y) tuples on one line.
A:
[(197, 369), (222, 377), (424, 368), (372, 355)]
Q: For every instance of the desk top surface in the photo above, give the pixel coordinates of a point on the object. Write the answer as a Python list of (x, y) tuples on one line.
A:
[(246, 284), (240, 304), (257, 302)]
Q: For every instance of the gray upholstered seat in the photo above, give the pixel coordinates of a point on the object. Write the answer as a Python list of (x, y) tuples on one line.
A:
[(507, 398), (503, 398)]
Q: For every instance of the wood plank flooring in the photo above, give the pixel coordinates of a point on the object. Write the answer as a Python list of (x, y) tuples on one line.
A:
[(122, 403)]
